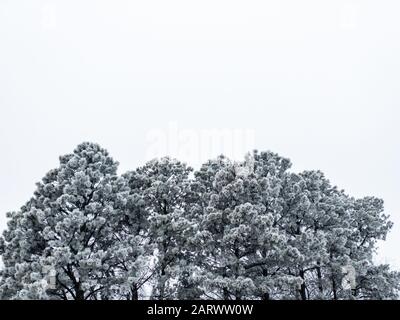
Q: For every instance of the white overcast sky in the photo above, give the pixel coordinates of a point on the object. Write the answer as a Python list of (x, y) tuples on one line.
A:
[(316, 81)]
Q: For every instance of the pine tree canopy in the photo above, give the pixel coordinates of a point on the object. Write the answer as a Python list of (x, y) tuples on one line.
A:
[(230, 230)]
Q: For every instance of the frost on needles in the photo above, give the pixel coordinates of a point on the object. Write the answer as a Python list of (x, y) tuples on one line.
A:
[(249, 230)]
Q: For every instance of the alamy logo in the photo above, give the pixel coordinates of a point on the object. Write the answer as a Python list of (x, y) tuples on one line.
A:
[(198, 145)]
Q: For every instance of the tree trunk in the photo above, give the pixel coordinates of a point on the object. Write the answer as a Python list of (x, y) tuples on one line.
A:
[(303, 289), (319, 275), (134, 292), (226, 294), (161, 285), (266, 296), (334, 289), (80, 294)]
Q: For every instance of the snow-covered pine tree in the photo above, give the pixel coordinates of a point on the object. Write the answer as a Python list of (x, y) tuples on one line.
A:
[(67, 231), (334, 234), (135, 267), (163, 186), (240, 251), (365, 224)]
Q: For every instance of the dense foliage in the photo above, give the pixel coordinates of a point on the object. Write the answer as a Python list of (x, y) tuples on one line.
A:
[(248, 230)]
